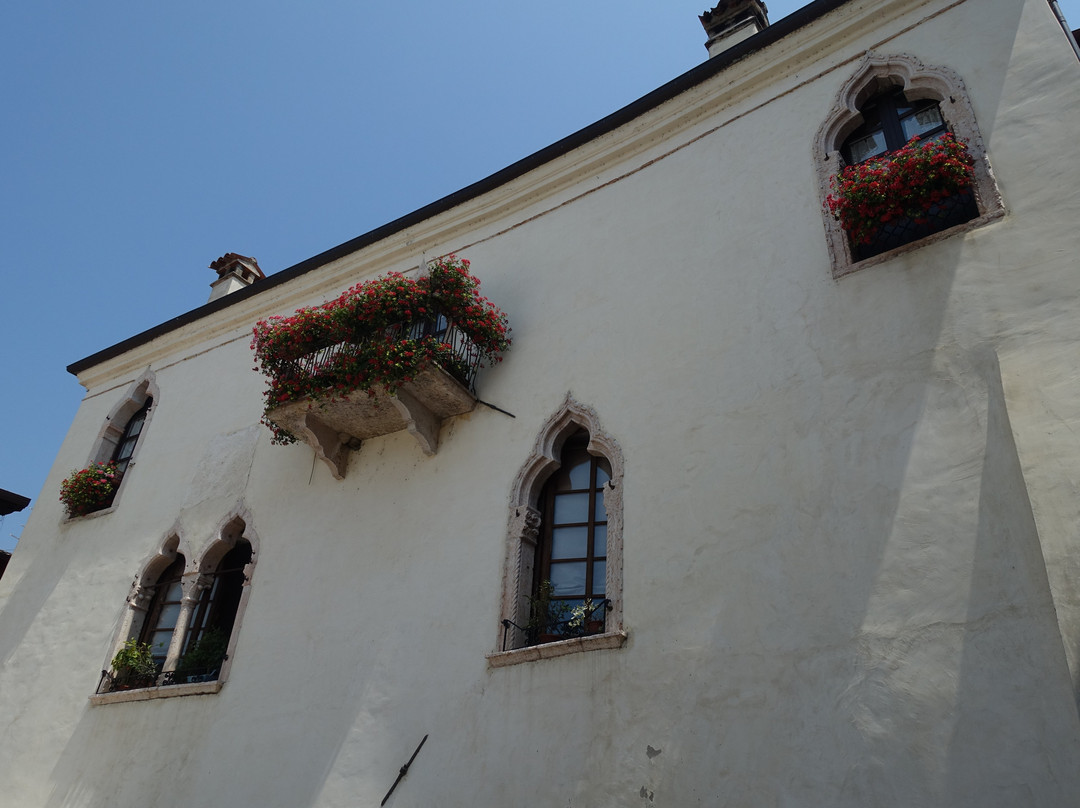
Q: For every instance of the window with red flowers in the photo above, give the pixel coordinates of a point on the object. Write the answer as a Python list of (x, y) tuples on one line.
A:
[(902, 162), (906, 176)]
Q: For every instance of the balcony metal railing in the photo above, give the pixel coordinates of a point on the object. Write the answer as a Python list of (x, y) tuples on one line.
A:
[(463, 363), (594, 621), (949, 212), (110, 683)]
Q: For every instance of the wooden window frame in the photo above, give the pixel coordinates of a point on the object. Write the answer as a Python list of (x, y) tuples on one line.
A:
[(576, 443)]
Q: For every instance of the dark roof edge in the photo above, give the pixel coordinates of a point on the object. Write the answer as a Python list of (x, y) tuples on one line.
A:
[(666, 92), (10, 503)]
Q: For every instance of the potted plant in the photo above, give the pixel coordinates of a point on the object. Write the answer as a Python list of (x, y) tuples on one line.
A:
[(133, 666), (909, 189), (583, 620), (203, 659), (90, 489), (547, 620)]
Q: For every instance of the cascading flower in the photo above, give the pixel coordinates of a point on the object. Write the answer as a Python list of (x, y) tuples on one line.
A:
[(907, 183), (369, 337), (90, 489)]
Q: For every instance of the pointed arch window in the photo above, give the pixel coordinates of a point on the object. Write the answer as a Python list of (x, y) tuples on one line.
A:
[(125, 447), (116, 445), (564, 546), (214, 614)]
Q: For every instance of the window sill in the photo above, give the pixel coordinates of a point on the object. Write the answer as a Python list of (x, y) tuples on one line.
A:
[(881, 258), (91, 515), (163, 692), (596, 642)]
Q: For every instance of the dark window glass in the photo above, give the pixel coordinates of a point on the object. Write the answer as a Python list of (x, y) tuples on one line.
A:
[(164, 609), (216, 609), (890, 121), (126, 447)]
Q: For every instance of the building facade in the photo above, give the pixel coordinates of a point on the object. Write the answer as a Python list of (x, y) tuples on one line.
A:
[(822, 495)]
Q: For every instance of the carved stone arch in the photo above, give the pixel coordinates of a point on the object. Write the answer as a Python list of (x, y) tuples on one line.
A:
[(133, 400), (876, 74), (524, 520), (230, 529), (570, 417), (142, 588)]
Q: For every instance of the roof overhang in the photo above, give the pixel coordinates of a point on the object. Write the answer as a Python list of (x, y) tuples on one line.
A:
[(10, 503)]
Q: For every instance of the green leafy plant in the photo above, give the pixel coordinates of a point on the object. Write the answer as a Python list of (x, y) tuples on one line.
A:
[(548, 616), (907, 183), (205, 655), (90, 489), (381, 332), (133, 665)]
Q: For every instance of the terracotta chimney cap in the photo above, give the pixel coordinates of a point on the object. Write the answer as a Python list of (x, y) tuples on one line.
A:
[(226, 262), (234, 272)]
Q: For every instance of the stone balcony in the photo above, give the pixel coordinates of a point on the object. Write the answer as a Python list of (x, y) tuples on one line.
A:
[(334, 427), (420, 406)]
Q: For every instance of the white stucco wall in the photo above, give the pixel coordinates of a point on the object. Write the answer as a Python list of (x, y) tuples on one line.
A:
[(847, 535)]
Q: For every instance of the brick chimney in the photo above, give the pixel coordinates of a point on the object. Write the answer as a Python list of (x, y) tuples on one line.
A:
[(234, 273), (731, 22)]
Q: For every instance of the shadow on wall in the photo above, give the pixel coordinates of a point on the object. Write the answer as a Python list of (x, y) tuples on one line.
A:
[(1013, 676)]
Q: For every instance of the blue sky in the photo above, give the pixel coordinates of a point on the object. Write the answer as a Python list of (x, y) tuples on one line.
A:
[(141, 141)]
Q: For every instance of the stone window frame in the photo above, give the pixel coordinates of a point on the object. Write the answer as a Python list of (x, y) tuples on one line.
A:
[(874, 75), (112, 432), (198, 576), (523, 533)]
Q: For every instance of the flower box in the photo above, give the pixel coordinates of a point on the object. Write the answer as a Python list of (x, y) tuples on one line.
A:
[(946, 213), (921, 189), (90, 489)]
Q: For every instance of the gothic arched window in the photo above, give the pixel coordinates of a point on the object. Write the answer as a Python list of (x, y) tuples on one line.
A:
[(562, 588)]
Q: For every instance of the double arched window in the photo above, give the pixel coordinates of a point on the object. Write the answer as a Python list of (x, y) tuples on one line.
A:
[(186, 615)]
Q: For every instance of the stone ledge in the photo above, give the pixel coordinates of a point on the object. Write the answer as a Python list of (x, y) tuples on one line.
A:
[(597, 642), (165, 692), (956, 230), (92, 515)]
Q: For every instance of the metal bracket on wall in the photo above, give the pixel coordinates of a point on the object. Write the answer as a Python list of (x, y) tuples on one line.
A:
[(402, 772)]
